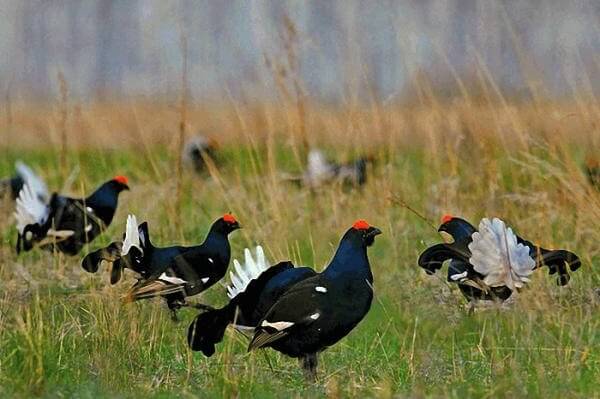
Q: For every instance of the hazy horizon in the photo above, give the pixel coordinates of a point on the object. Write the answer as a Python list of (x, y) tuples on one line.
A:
[(344, 48)]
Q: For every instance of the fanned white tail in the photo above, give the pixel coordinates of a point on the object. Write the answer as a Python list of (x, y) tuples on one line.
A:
[(244, 274), (30, 208), (496, 254), (132, 236), (38, 186)]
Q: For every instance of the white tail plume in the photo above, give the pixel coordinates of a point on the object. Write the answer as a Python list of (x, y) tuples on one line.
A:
[(38, 186), (496, 254), (244, 274), (30, 208), (132, 236)]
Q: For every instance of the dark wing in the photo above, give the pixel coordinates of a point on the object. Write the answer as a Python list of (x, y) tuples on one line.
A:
[(189, 273), (556, 260), (434, 257), (91, 262), (208, 328), (292, 311), (70, 225)]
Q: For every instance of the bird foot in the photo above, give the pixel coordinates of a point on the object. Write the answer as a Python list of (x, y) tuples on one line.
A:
[(174, 316), (309, 366)]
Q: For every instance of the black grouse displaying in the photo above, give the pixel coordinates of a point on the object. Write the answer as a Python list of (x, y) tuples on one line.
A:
[(295, 310), (63, 223), (174, 272), (320, 171), (24, 175), (491, 262)]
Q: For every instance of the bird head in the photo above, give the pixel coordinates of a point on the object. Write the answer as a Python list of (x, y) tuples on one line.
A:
[(365, 232), (119, 183), (458, 228), (226, 224)]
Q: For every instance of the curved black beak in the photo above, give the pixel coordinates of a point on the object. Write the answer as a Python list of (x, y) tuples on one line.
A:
[(373, 231)]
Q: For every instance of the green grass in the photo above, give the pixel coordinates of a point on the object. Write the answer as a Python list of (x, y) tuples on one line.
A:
[(64, 332)]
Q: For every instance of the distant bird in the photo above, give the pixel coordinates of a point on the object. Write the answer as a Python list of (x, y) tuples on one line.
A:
[(492, 262), (320, 171), (295, 310), (197, 150), (63, 223), (24, 175), (173, 273), (592, 169)]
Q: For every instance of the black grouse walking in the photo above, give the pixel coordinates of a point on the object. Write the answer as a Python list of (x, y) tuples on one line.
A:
[(174, 272), (63, 223), (295, 310), (491, 262)]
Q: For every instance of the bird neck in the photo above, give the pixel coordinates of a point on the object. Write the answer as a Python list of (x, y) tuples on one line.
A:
[(350, 260), (462, 231), (104, 202), (218, 243)]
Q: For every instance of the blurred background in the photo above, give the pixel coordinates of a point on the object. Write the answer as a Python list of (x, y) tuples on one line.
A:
[(337, 50)]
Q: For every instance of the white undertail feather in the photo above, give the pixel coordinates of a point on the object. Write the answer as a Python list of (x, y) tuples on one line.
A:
[(132, 236), (38, 186), (244, 274), (30, 208), (496, 254), (172, 280)]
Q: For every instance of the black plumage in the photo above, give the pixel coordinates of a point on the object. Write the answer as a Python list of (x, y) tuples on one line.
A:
[(297, 311), (11, 186), (471, 283), (66, 224), (174, 272)]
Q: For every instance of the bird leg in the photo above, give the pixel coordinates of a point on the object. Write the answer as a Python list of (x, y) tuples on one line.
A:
[(174, 317), (174, 306), (200, 306), (309, 365), (471, 308)]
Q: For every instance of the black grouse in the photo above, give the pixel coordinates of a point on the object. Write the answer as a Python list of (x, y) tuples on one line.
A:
[(295, 310), (24, 175), (174, 272), (198, 150), (320, 171), (491, 262), (63, 223)]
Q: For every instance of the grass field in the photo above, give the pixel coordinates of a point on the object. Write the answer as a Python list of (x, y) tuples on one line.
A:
[(66, 333)]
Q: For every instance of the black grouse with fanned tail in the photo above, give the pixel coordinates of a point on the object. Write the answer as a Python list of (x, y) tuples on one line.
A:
[(491, 262), (297, 311), (175, 272), (63, 223)]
